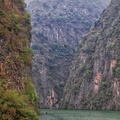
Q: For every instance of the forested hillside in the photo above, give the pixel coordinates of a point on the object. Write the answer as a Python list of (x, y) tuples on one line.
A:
[(17, 93)]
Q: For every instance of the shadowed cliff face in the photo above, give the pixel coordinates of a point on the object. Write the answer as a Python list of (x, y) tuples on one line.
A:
[(94, 79), (64, 21), (58, 26)]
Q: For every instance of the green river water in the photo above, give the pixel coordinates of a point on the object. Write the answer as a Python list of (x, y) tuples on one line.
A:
[(79, 115)]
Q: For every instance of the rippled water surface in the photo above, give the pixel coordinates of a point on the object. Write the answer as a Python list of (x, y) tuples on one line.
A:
[(79, 115)]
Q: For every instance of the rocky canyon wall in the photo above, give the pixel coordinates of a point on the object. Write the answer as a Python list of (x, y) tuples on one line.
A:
[(58, 26), (94, 79)]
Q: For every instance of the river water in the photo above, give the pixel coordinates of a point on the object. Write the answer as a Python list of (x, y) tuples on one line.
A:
[(47, 114)]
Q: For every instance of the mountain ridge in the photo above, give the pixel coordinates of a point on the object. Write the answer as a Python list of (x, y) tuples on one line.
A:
[(94, 79), (57, 30)]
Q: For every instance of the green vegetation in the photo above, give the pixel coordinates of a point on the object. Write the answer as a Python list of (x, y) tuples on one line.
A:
[(15, 18), (110, 45), (60, 50), (15, 106), (27, 18), (75, 89), (87, 49), (96, 36), (116, 71), (89, 74), (18, 99), (30, 91), (26, 56)]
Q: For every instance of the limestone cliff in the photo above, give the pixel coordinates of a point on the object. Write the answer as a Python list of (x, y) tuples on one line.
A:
[(58, 26), (17, 93), (94, 80), (15, 29)]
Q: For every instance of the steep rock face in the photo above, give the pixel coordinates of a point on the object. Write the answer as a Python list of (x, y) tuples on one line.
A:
[(94, 79), (58, 26), (15, 59), (17, 93)]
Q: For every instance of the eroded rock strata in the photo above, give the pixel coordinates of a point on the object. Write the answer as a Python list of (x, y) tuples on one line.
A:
[(94, 80)]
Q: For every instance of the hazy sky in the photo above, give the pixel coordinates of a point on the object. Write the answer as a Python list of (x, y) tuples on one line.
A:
[(27, 1)]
